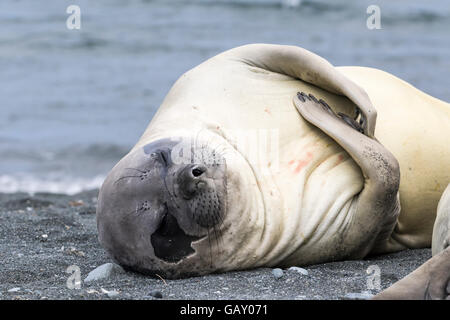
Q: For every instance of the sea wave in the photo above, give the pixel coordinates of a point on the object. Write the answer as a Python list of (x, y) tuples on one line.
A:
[(64, 185)]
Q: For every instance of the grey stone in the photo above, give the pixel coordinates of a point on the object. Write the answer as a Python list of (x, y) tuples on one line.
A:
[(299, 270), (103, 272), (277, 272), (365, 295), (113, 294)]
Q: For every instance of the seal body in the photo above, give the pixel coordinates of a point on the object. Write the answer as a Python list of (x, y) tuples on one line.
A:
[(226, 95), (291, 190)]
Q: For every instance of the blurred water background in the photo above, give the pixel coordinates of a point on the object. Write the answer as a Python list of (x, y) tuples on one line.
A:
[(73, 102)]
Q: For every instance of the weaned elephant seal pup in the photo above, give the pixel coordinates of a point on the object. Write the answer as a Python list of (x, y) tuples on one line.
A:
[(432, 279), (236, 171), (441, 231)]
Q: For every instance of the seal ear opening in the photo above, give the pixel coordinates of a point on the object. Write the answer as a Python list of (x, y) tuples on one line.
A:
[(170, 243)]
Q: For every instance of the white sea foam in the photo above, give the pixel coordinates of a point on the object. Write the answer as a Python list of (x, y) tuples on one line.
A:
[(31, 184)]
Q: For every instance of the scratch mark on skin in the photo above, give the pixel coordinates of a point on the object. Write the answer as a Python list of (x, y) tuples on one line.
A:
[(301, 163), (267, 110)]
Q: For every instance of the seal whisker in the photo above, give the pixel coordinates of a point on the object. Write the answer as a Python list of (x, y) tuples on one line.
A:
[(137, 170), (125, 177), (126, 216), (216, 236), (210, 247)]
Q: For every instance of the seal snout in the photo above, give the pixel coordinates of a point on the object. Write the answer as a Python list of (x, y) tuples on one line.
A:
[(191, 180), (202, 189)]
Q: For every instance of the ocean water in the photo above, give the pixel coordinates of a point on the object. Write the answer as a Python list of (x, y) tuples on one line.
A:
[(73, 102)]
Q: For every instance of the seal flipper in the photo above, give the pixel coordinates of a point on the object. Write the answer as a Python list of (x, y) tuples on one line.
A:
[(429, 281), (375, 212), (441, 230), (432, 279), (309, 67)]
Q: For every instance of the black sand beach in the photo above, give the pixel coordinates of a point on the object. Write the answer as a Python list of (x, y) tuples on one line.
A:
[(42, 235)]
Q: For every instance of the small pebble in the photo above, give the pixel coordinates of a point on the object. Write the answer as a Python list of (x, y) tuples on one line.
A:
[(76, 203), (156, 294), (14, 290), (299, 270), (113, 294), (92, 291), (103, 272), (75, 251), (277, 272), (358, 295)]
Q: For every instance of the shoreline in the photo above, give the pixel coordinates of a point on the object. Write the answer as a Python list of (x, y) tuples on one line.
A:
[(41, 235)]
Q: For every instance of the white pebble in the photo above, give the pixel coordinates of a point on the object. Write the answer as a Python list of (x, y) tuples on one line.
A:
[(113, 294), (277, 272), (299, 270), (365, 295), (103, 272)]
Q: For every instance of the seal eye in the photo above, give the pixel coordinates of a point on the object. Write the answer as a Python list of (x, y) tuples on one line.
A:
[(162, 156)]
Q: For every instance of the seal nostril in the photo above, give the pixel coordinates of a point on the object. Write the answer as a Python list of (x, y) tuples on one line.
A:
[(196, 172)]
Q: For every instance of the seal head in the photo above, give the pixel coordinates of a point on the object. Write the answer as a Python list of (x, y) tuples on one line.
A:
[(157, 202)]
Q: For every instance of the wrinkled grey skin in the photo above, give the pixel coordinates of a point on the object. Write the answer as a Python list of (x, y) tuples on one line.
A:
[(151, 209)]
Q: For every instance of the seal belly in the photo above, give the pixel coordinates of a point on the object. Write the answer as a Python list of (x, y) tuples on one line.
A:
[(415, 127)]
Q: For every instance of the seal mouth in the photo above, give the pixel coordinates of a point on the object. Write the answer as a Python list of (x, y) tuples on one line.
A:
[(171, 244)]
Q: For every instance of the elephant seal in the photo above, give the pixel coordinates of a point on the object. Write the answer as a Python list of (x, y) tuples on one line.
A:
[(441, 230), (432, 279), (201, 191)]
